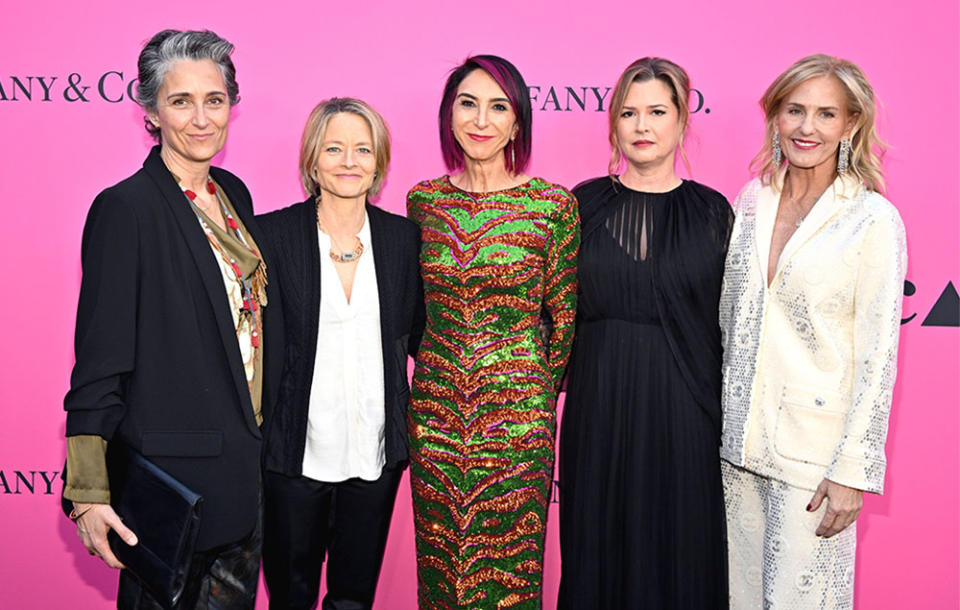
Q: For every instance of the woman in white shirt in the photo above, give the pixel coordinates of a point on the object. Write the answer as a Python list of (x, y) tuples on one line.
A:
[(810, 316), (353, 310)]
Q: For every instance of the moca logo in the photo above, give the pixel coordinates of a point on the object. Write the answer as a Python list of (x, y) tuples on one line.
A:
[(588, 99), (18, 482), (945, 312), (111, 86)]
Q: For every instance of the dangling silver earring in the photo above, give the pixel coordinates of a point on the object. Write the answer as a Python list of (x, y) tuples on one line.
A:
[(777, 153), (513, 155), (843, 159)]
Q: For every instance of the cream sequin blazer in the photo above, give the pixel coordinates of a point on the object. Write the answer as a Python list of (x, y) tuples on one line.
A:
[(809, 363)]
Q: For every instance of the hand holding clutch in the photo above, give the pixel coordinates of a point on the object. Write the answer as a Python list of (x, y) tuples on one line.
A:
[(93, 523)]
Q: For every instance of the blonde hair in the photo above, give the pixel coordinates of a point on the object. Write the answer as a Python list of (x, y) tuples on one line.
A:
[(642, 70), (316, 127), (866, 147)]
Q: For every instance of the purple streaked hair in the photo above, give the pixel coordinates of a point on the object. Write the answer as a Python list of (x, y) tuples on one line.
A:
[(508, 77)]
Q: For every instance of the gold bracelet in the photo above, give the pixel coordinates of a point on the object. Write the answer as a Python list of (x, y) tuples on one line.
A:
[(74, 515)]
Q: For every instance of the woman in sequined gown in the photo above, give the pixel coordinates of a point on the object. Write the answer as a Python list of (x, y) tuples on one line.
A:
[(498, 258), (641, 504)]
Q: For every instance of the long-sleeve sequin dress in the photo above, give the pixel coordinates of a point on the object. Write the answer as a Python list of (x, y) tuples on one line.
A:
[(481, 415)]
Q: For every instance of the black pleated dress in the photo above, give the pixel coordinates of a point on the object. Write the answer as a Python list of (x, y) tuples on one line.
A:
[(641, 502)]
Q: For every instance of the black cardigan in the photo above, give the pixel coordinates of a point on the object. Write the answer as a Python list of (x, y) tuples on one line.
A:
[(291, 239), (157, 361)]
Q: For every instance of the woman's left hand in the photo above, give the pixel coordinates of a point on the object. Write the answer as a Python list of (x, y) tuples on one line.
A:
[(843, 506)]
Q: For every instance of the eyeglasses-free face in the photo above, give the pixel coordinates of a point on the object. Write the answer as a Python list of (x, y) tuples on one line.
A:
[(812, 121), (346, 165), (483, 120), (193, 112), (648, 128)]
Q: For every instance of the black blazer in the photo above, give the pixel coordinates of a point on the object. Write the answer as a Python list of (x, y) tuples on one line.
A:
[(157, 361), (291, 240)]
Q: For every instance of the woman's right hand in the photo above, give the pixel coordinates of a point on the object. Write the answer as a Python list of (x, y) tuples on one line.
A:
[(92, 527)]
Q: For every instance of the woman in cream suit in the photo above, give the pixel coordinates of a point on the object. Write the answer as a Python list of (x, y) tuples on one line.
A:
[(810, 314)]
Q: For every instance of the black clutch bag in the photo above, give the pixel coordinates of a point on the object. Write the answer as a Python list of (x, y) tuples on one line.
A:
[(165, 516)]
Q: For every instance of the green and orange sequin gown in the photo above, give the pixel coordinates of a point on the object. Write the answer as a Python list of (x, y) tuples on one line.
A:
[(482, 409)]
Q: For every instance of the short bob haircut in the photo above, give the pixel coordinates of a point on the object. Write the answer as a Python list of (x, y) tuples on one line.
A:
[(640, 71), (517, 152), (866, 147), (316, 128), (170, 46)]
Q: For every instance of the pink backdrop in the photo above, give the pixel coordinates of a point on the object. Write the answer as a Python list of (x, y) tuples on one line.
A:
[(58, 150)]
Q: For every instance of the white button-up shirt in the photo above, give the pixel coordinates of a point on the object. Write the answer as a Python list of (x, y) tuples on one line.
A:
[(346, 416)]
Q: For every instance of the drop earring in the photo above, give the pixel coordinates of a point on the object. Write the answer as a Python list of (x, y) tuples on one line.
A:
[(843, 159), (777, 153)]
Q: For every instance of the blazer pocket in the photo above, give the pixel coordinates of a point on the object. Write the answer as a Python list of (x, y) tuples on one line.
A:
[(183, 444), (810, 424)]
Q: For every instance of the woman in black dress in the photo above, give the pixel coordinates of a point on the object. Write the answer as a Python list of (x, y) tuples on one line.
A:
[(641, 501)]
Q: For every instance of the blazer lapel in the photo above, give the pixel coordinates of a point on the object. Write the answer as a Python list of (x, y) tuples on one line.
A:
[(209, 272), (274, 347), (765, 215), (822, 211), (230, 336), (311, 276), (384, 260)]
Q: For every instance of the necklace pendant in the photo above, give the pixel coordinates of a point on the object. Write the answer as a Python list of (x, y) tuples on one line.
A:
[(349, 256)]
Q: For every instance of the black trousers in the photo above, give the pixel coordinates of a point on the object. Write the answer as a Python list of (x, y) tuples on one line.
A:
[(305, 520), (222, 578)]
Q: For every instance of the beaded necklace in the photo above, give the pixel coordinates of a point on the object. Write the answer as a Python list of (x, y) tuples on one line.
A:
[(250, 304)]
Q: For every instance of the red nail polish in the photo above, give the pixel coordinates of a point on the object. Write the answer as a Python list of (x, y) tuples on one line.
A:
[(809, 507)]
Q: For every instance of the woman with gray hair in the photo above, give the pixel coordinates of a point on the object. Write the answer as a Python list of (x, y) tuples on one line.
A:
[(172, 325)]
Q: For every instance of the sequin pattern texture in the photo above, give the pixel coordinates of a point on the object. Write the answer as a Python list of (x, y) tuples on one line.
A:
[(809, 362), (776, 561), (481, 416)]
